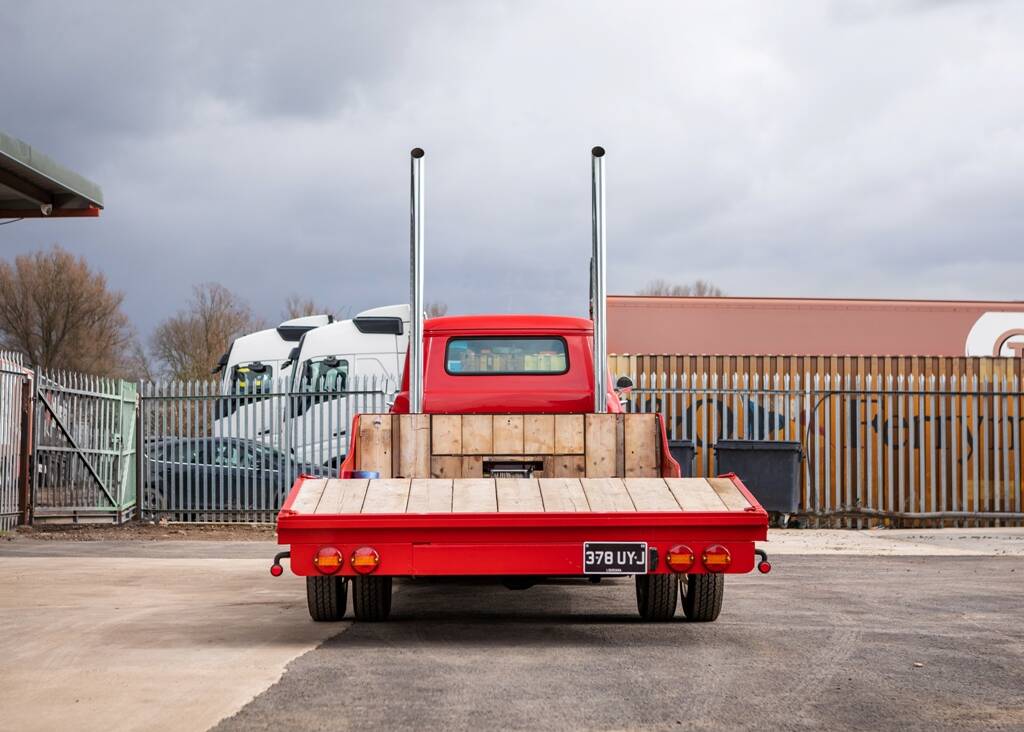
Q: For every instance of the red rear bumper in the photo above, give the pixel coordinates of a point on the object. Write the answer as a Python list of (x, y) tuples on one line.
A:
[(513, 543)]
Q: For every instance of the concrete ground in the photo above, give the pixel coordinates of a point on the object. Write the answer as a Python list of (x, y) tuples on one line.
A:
[(183, 634)]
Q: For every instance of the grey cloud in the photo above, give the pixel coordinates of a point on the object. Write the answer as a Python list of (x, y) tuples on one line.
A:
[(777, 149)]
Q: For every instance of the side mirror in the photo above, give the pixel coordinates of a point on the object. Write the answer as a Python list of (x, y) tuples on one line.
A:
[(624, 382)]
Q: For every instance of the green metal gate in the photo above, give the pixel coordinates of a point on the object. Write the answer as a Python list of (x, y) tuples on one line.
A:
[(84, 449)]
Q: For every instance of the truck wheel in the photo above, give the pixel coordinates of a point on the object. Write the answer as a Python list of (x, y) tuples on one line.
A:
[(327, 598), (371, 598), (656, 596), (702, 596)]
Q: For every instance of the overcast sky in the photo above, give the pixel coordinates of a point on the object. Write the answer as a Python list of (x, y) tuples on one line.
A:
[(861, 148)]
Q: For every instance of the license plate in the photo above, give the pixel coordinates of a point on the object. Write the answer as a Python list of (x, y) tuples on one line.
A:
[(615, 557)]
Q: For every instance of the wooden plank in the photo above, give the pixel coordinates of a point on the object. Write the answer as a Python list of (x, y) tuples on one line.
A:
[(600, 444), (353, 495), (620, 445), (729, 493), (375, 443), (474, 495), (539, 434), (508, 434), (477, 434), (472, 467), (414, 445), (446, 466), (343, 496), (641, 447), (651, 494), (309, 495), (695, 494), (518, 495), (430, 496), (331, 496), (569, 434), (446, 434), (607, 495), (387, 496), (567, 466), (563, 495)]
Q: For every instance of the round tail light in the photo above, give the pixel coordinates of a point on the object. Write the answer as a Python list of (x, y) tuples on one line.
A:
[(328, 560), (716, 558), (365, 559), (680, 558), (764, 566), (276, 570)]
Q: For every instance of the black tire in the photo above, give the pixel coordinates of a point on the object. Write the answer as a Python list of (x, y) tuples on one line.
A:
[(702, 596), (371, 598), (657, 596), (327, 598)]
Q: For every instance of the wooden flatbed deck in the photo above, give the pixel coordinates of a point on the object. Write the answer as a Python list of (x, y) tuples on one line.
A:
[(325, 497)]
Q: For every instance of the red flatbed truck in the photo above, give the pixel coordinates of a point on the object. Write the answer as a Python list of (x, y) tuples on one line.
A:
[(510, 457)]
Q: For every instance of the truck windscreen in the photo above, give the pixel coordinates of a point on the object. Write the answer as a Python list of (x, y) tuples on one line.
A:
[(506, 355)]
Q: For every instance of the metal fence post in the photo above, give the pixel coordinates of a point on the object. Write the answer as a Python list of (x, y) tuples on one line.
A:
[(25, 448)]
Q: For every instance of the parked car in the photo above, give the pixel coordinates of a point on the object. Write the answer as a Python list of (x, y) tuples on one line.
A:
[(219, 473)]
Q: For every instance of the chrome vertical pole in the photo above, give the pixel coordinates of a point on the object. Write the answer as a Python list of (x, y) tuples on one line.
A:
[(416, 285), (598, 273)]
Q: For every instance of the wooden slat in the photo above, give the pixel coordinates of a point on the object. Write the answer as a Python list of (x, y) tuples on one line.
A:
[(414, 445), (472, 467), (567, 466), (563, 495), (695, 494), (508, 434), (518, 495), (343, 496), (375, 443), (601, 444), (569, 434), (330, 497), (474, 496), (607, 495), (430, 496), (352, 496), (539, 434), (477, 434), (446, 434), (387, 496), (651, 494), (446, 466), (729, 493), (641, 447), (309, 495)]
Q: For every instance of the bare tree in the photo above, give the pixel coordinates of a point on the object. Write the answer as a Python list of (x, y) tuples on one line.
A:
[(664, 288), (436, 309), (60, 314), (187, 345), (297, 306)]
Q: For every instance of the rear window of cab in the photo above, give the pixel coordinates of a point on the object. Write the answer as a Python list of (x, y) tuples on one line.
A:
[(491, 356)]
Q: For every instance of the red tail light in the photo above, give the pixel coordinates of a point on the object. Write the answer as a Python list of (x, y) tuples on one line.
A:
[(365, 559), (716, 558), (328, 560), (680, 558)]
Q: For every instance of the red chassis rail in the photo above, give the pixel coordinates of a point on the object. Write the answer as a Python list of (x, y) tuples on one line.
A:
[(543, 544)]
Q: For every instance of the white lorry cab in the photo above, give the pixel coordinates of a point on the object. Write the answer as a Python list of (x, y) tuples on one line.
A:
[(338, 370), (257, 364)]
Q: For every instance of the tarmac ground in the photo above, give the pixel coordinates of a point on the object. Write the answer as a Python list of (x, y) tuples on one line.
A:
[(911, 629)]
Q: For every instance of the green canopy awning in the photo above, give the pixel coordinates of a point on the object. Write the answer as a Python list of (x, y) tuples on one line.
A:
[(34, 186)]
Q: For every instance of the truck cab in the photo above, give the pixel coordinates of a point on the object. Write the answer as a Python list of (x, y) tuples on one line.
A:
[(523, 364), (330, 367), (255, 365)]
